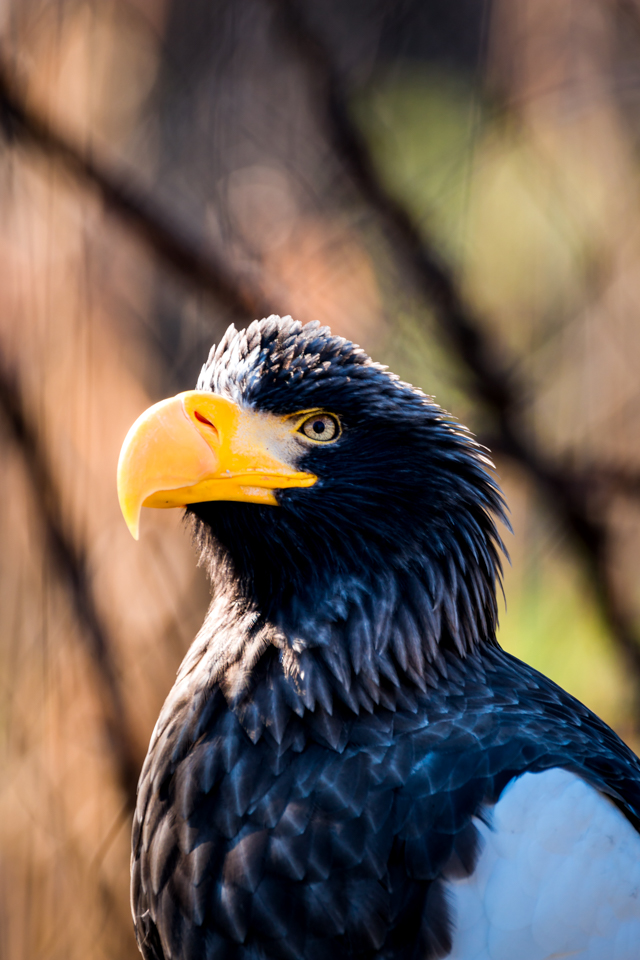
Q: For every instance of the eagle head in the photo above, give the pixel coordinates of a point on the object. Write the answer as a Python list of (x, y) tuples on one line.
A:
[(315, 478)]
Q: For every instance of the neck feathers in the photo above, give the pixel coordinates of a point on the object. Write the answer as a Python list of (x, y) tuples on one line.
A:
[(363, 645)]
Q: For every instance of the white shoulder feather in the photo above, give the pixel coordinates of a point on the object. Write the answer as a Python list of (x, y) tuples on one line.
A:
[(558, 876)]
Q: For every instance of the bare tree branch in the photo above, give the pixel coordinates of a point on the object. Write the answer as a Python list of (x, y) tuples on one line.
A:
[(592, 480), (629, 11), (617, 480), (69, 562), (170, 240), (466, 335)]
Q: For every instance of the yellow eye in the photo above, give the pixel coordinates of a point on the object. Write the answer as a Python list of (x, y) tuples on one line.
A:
[(321, 426)]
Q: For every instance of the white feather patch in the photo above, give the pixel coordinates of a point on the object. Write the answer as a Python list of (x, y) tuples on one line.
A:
[(558, 876)]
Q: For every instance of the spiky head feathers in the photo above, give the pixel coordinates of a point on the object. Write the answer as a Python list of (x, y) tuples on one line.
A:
[(404, 492)]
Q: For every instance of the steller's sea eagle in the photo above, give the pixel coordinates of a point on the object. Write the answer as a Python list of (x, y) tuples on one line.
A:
[(349, 765)]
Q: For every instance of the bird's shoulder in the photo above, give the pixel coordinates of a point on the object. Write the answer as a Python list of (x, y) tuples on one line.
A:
[(260, 822), (558, 874)]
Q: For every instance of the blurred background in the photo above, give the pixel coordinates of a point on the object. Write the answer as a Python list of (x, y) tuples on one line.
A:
[(454, 184)]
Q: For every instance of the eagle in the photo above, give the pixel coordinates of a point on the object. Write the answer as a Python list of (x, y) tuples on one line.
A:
[(349, 765)]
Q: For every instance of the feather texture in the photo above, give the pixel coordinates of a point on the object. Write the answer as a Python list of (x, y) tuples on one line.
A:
[(325, 776)]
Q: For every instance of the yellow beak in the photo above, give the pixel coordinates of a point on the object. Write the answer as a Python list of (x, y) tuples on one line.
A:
[(199, 446)]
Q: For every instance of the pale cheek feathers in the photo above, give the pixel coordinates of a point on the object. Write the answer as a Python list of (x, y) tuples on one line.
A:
[(559, 876)]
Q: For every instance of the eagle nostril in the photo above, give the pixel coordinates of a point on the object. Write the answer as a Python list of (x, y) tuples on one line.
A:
[(204, 420)]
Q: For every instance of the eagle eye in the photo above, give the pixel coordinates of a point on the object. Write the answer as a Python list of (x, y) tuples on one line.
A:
[(322, 427)]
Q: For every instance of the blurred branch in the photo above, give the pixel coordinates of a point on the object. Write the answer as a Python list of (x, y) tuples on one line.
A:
[(591, 481), (596, 480), (618, 480), (70, 564), (630, 11), (171, 241), (488, 378), (487, 375)]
